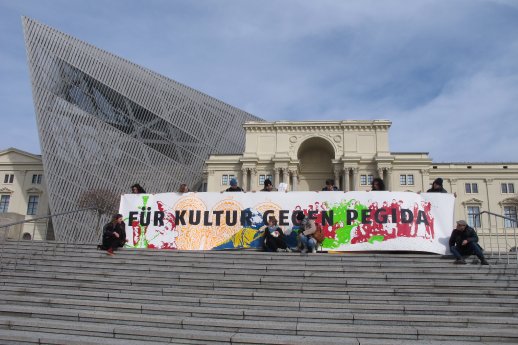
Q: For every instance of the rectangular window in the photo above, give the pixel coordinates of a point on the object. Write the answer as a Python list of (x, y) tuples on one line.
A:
[(473, 216), (9, 178), (224, 180), (32, 206), (4, 203), (410, 180), (471, 188), (402, 180), (507, 188), (510, 212), (363, 180), (369, 179), (261, 179), (36, 179)]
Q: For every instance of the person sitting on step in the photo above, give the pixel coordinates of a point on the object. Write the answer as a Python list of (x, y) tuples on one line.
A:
[(463, 242), (274, 239), (305, 236), (114, 234)]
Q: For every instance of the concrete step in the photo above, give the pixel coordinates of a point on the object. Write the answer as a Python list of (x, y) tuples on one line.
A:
[(180, 314), (166, 302), (223, 330), (370, 297)]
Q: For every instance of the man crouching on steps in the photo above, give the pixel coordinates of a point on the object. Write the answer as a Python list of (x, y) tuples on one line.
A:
[(464, 241)]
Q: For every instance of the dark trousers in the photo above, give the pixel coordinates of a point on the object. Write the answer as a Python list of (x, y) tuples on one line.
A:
[(271, 244), (469, 249), (111, 242)]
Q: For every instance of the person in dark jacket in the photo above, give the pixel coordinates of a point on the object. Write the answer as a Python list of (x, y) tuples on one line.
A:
[(233, 186), (137, 189), (268, 186), (378, 184), (464, 241), (437, 187), (274, 239), (330, 186), (114, 234)]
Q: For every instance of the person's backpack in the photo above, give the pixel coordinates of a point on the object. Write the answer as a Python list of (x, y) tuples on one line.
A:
[(318, 235)]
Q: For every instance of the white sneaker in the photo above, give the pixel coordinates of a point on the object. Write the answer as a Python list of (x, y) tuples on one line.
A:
[(288, 250), (304, 250), (279, 250), (314, 250)]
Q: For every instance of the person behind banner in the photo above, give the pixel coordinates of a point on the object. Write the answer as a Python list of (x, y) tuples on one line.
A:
[(268, 186), (464, 242), (274, 239), (307, 242), (233, 186), (330, 186), (378, 184), (114, 234), (183, 188), (437, 187), (137, 189)]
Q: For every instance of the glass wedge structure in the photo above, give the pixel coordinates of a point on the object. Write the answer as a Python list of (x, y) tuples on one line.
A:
[(105, 123)]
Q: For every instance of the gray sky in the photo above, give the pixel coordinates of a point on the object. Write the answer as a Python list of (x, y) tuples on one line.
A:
[(444, 72)]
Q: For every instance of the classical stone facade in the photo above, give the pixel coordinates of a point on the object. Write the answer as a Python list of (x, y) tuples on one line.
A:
[(305, 154), (23, 193)]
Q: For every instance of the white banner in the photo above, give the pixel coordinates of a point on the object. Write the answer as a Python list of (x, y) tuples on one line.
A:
[(352, 221)]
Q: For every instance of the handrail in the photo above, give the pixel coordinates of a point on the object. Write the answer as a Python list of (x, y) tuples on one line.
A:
[(514, 224), (497, 215), (45, 217), (5, 228)]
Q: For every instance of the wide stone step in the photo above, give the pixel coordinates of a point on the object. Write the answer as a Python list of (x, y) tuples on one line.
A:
[(102, 283), (151, 305), (147, 269), (224, 328), (179, 315), (265, 295)]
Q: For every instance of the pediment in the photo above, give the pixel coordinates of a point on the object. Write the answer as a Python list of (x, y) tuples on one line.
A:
[(473, 201), (509, 201), (15, 156), (6, 190), (34, 190)]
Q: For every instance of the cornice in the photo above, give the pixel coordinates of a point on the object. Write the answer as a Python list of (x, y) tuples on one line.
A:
[(313, 126)]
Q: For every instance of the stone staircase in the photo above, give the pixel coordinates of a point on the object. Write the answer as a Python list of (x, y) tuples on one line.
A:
[(54, 293)]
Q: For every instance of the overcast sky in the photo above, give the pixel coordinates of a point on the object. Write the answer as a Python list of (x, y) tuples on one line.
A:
[(444, 72)]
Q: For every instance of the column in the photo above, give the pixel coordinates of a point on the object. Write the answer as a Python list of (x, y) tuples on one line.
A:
[(355, 185), (294, 178), (276, 178), (380, 173), (253, 179), (337, 176), (388, 182), (244, 178), (425, 176), (453, 184), (346, 179), (285, 176)]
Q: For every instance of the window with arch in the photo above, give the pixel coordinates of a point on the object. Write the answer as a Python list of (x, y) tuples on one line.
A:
[(510, 212), (473, 216), (4, 203)]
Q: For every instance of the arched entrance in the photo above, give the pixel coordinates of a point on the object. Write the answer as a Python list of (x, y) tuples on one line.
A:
[(315, 163)]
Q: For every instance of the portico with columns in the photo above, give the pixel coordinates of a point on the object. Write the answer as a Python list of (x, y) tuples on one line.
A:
[(305, 154)]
